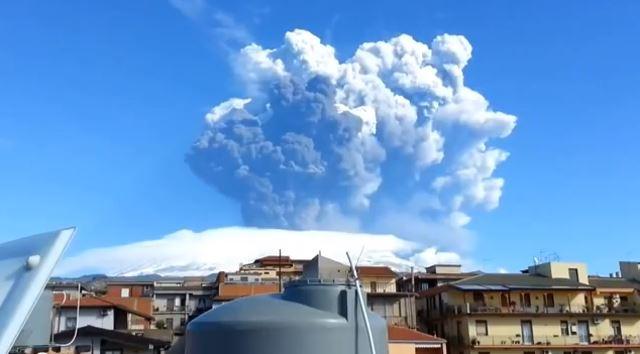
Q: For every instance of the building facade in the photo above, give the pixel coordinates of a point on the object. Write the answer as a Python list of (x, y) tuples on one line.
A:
[(97, 312), (548, 308), (177, 300), (383, 297)]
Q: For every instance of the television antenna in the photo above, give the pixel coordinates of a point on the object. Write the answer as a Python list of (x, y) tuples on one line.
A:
[(363, 308)]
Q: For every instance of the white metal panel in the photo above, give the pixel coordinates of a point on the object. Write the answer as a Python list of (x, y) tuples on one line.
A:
[(25, 267)]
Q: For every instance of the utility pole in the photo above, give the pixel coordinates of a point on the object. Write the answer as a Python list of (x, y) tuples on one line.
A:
[(280, 270), (413, 281)]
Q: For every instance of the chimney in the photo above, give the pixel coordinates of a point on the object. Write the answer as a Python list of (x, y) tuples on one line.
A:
[(610, 275)]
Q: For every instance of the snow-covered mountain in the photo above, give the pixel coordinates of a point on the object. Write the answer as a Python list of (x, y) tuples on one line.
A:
[(186, 252)]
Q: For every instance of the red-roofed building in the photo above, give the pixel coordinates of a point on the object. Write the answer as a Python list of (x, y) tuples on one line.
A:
[(98, 312), (408, 341), (289, 268)]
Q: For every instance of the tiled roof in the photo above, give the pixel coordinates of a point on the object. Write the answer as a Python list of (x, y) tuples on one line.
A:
[(499, 281), (423, 275), (613, 283), (376, 271), (228, 291), (274, 261), (97, 302), (402, 334), (114, 336)]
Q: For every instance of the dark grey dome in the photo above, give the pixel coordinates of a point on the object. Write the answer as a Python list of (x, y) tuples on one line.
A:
[(310, 317)]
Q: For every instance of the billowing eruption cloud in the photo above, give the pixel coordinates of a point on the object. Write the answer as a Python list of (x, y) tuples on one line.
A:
[(390, 140)]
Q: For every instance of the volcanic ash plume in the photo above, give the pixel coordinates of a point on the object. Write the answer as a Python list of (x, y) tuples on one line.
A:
[(390, 140)]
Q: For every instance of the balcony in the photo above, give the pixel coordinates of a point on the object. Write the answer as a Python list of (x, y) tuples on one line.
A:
[(549, 341), (619, 309), (400, 321), (470, 309), (170, 309)]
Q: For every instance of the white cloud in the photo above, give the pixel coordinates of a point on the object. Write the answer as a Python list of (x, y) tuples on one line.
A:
[(186, 252), (193, 9), (227, 32), (225, 107)]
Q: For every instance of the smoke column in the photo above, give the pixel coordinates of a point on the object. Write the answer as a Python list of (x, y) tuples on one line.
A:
[(390, 140)]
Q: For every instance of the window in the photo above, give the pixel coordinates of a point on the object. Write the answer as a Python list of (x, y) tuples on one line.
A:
[(169, 323), (116, 351), (244, 278), (478, 298), (527, 332), (549, 300), (124, 292), (504, 300), (525, 300), (617, 328), (374, 287), (624, 300), (573, 274), (482, 328), (70, 322), (564, 328)]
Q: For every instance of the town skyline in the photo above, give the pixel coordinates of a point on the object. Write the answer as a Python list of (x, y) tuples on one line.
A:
[(102, 114)]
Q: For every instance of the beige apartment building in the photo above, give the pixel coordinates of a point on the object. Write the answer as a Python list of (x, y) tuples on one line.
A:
[(548, 308), (383, 297)]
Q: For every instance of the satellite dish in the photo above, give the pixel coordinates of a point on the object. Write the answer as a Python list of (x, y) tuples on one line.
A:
[(25, 267)]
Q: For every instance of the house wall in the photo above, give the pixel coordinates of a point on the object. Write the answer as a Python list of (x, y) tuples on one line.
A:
[(160, 302), (93, 342), (630, 270), (563, 300), (402, 348), (398, 311), (116, 290), (88, 317), (383, 284), (177, 319), (545, 329), (561, 270)]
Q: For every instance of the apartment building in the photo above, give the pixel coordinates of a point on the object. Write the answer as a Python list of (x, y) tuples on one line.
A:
[(383, 298), (274, 266), (548, 308), (96, 312), (178, 300), (133, 292), (229, 287), (433, 276)]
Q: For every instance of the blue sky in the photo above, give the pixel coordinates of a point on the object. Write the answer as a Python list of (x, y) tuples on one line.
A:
[(100, 101)]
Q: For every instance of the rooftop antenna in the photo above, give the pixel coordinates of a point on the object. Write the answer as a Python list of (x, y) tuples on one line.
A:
[(360, 255), (361, 301)]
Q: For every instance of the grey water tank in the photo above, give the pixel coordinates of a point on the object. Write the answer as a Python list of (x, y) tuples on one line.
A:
[(310, 317)]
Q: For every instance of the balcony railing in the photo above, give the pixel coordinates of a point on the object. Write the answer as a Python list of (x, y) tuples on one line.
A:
[(480, 309), (170, 309), (628, 308), (572, 340), (397, 321)]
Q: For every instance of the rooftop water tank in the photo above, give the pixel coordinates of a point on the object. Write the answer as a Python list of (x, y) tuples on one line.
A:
[(310, 317)]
